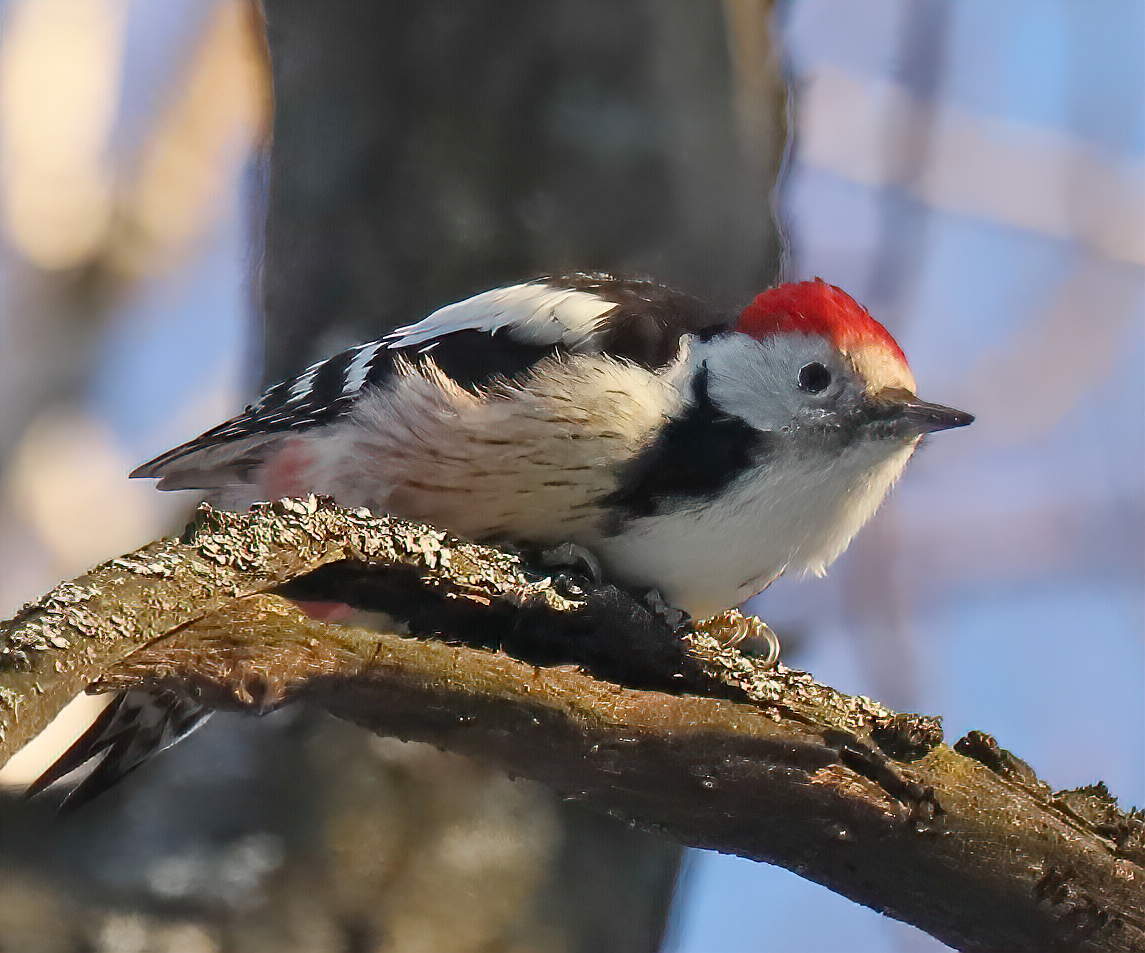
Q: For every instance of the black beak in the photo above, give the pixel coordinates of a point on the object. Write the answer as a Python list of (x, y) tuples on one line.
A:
[(920, 416)]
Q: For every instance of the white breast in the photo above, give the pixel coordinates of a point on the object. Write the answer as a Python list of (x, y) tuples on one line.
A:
[(794, 515)]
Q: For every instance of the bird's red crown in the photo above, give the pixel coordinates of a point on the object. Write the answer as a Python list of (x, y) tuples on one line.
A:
[(815, 307)]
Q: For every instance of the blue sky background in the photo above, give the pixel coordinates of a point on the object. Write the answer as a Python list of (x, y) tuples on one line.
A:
[(971, 171)]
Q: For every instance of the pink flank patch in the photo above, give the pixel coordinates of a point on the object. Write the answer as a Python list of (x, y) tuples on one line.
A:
[(325, 611), (285, 474)]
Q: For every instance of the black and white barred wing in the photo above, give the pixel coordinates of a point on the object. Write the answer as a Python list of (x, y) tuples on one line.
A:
[(137, 725), (501, 333), (230, 453)]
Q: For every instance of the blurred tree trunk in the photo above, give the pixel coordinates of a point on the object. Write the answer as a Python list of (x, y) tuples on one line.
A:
[(423, 152), (427, 151)]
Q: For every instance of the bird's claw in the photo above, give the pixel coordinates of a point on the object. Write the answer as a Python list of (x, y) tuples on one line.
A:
[(574, 558), (747, 633)]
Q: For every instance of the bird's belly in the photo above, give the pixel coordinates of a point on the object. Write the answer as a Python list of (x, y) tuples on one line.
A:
[(700, 562)]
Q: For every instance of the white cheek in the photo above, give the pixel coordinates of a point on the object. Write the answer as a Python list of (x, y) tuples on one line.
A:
[(758, 380)]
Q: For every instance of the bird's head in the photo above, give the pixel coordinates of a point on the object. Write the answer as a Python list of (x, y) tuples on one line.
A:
[(806, 360)]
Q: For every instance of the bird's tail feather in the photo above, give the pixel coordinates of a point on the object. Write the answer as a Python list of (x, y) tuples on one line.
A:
[(136, 726)]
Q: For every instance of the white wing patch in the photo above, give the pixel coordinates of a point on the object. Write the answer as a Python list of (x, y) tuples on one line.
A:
[(360, 367), (301, 386), (533, 313)]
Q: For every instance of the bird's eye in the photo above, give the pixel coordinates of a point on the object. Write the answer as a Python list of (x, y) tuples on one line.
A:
[(814, 377)]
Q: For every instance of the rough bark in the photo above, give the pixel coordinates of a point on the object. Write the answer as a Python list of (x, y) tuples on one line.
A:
[(699, 744)]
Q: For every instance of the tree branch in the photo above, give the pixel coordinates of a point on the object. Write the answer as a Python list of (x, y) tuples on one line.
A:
[(965, 843)]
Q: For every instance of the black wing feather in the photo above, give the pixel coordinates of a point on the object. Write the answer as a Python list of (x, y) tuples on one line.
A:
[(650, 318), (132, 729)]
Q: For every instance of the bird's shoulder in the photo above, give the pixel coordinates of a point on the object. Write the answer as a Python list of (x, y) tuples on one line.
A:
[(631, 318)]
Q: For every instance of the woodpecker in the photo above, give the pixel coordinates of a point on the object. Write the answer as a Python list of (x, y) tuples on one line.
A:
[(697, 454)]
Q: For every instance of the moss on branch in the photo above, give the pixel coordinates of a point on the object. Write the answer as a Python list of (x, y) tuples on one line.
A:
[(689, 737)]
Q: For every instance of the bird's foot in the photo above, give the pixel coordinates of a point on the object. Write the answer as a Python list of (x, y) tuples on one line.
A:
[(673, 617), (747, 633), (576, 562), (574, 559)]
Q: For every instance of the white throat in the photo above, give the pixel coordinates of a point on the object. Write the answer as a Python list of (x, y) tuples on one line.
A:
[(791, 515)]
